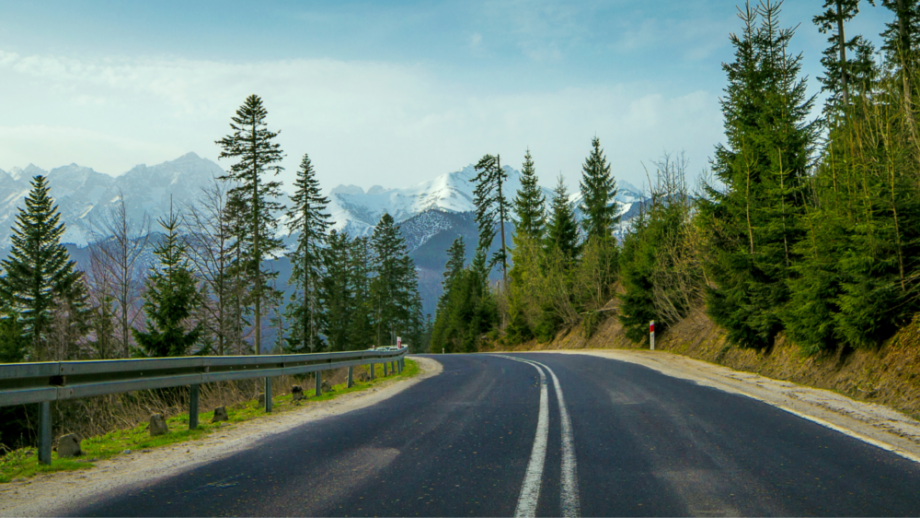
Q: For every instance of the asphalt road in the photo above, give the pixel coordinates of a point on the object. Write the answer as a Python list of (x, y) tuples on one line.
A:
[(488, 437)]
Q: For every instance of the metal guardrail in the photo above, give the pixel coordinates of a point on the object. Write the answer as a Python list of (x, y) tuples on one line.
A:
[(42, 383)]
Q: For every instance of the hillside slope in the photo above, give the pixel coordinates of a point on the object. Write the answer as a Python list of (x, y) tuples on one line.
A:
[(889, 376)]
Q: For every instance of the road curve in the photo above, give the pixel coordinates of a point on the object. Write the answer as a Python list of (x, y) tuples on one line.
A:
[(618, 439)]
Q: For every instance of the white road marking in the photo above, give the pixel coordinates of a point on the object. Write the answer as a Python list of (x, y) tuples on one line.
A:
[(571, 505), (570, 501), (530, 489)]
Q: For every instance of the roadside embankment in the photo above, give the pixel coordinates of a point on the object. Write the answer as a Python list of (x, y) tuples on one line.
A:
[(889, 375)]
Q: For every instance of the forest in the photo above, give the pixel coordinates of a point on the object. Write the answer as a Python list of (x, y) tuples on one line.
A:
[(804, 226)]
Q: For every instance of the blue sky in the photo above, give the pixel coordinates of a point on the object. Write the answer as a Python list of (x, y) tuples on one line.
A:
[(389, 93)]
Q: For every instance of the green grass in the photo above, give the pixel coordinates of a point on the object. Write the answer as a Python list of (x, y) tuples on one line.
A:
[(23, 463)]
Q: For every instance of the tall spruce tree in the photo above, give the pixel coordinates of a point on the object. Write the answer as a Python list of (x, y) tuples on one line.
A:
[(170, 298), (902, 38), (456, 257), (562, 229), (598, 190), (530, 203), (491, 207), (38, 272), (336, 292), (394, 288), (843, 74), (361, 332), (755, 220), (308, 219), (252, 144)]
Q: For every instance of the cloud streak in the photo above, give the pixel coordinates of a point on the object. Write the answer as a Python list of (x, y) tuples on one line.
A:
[(361, 122)]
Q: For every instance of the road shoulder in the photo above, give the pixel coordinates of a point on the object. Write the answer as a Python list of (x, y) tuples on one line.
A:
[(45, 494), (872, 423)]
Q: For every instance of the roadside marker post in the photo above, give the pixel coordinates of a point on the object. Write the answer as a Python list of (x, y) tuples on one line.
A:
[(651, 330)]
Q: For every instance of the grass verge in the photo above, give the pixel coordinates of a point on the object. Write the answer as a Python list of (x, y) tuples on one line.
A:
[(23, 463)]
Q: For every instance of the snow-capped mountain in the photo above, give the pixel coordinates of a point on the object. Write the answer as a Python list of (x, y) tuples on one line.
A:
[(430, 214), (357, 211), (85, 197)]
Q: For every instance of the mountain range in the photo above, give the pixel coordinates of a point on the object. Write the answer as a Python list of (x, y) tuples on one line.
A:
[(431, 214)]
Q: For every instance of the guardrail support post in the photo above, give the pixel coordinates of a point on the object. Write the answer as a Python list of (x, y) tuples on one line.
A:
[(351, 381), (44, 433), (192, 407), (385, 371), (373, 370), (319, 382), (268, 394)]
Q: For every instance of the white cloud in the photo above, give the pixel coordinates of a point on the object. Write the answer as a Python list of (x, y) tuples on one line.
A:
[(361, 122)]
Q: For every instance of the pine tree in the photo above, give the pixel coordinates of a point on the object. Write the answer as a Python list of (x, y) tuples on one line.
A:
[(361, 332), (843, 74), (252, 144), (456, 257), (38, 270), (755, 221), (336, 293), (170, 298), (530, 203), (234, 217), (598, 190), (308, 219), (562, 229), (394, 287), (491, 207), (902, 38)]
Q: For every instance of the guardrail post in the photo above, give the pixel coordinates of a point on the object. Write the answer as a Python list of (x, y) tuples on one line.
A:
[(319, 382), (44, 433), (268, 394), (385, 372), (351, 382), (373, 367), (398, 366), (192, 407)]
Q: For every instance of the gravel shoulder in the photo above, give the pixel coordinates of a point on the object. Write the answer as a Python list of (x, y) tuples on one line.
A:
[(44, 494), (875, 424)]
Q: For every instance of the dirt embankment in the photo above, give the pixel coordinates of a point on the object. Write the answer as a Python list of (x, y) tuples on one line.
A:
[(889, 376)]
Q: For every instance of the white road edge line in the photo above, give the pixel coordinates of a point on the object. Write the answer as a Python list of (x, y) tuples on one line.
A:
[(571, 505), (533, 477)]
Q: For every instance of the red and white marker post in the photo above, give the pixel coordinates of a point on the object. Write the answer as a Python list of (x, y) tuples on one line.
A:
[(651, 331)]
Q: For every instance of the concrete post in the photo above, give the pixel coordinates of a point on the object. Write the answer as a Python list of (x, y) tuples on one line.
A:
[(268, 394), (44, 432), (651, 330), (319, 382), (351, 373), (193, 407)]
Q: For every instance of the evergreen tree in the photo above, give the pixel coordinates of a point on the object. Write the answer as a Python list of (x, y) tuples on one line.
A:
[(902, 38), (394, 288), (361, 332), (456, 257), (252, 144), (755, 220), (562, 230), (468, 312), (530, 203), (38, 270), (307, 218), (491, 207), (170, 298), (842, 74), (336, 294), (598, 190)]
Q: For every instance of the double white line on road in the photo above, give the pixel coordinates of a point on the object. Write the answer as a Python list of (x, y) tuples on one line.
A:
[(530, 489)]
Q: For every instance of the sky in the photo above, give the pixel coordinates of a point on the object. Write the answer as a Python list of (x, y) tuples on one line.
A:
[(388, 93)]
